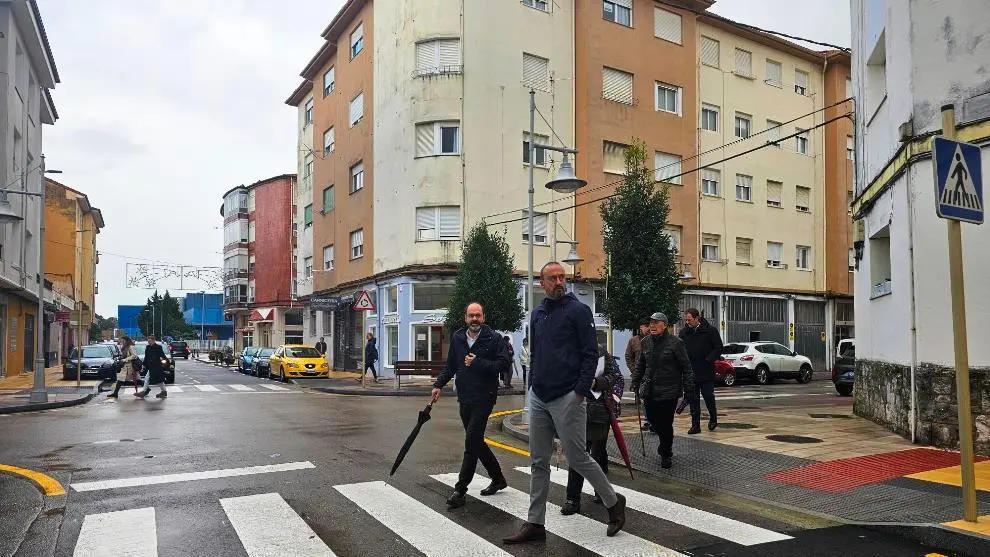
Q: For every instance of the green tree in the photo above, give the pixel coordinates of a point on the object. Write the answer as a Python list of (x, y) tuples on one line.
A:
[(163, 316), (642, 276), (485, 275)]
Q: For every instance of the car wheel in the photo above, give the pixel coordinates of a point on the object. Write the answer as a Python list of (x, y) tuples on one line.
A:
[(281, 375), (806, 374), (763, 375), (844, 390), (729, 379)]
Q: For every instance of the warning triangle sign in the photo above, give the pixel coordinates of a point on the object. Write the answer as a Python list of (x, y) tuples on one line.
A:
[(959, 190), (363, 302)]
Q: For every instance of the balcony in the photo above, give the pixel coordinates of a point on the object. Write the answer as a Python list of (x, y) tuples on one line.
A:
[(233, 302), (234, 274)]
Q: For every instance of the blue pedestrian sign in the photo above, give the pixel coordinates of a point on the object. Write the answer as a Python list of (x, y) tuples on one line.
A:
[(958, 180)]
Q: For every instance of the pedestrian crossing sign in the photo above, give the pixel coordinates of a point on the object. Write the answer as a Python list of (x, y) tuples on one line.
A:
[(958, 180)]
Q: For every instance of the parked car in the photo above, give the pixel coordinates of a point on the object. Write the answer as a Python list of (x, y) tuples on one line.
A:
[(299, 361), (140, 347), (245, 362), (767, 361), (179, 348), (844, 344), (724, 373), (97, 361), (843, 372), (260, 364)]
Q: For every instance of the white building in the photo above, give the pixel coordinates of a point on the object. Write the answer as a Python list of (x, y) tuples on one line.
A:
[(910, 58), (302, 256)]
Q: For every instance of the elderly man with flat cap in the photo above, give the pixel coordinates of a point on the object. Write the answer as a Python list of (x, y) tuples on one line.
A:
[(662, 376)]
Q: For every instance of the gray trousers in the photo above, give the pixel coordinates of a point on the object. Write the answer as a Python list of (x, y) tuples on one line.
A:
[(569, 419)]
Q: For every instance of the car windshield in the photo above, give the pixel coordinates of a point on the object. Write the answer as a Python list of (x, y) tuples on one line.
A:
[(734, 349), (140, 348), (266, 352), (93, 352), (304, 352), (250, 351)]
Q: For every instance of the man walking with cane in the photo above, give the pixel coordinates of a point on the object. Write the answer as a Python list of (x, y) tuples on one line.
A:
[(564, 359)]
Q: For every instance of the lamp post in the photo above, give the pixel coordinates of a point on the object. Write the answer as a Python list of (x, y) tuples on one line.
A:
[(39, 393), (202, 320), (565, 183)]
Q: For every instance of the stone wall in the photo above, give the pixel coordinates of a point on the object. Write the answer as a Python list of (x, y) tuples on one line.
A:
[(882, 394)]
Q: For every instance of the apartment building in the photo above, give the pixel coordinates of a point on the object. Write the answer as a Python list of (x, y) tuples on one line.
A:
[(302, 257)]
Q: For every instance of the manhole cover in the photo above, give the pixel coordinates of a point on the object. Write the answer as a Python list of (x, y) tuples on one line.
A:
[(736, 426), (793, 439), (835, 416)]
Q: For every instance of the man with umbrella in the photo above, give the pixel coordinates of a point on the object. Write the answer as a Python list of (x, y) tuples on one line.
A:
[(476, 360)]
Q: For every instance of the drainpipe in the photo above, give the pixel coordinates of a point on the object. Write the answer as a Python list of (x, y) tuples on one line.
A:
[(914, 326)]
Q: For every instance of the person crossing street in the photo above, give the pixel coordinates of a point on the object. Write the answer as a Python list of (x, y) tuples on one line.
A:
[(704, 346), (154, 362)]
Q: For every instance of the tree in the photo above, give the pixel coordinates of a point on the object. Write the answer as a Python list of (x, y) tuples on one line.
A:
[(642, 276), (163, 316), (484, 275)]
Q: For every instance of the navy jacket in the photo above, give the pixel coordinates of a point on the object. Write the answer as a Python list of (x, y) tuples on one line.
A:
[(477, 384), (564, 348)]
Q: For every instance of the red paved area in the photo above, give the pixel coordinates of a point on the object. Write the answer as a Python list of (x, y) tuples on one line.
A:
[(840, 475)]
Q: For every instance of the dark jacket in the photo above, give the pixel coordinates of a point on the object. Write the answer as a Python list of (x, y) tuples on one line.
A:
[(564, 348), (370, 351), (704, 346), (153, 355), (633, 349), (321, 347), (598, 413), (477, 383), (664, 370)]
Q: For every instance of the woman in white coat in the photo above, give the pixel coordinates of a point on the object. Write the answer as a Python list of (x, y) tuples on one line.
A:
[(128, 373)]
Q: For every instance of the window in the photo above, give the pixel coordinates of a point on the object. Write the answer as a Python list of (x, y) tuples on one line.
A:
[(667, 25), (668, 98), (392, 340), (357, 40), (308, 215), (614, 157), (308, 118), (539, 227), (774, 192), (357, 243), (775, 73), (849, 202), (617, 85), (744, 63), (709, 181), (804, 257), (850, 149), (312, 323), (392, 300), (709, 117), (535, 72), (538, 4), (880, 275), (775, 254), (876, 77), (431, 297), (438, 56), (709, 247), (437, 138), (744, 251), (356, 110), (327, 199), (709, 52), (357, 177), (308, 266), (328, 258), (438, 223), (618, 11), (773, 133), (800, 82), (801, 142), (328, 141), (329, 79), (308, 166), (849, 88), (744, 187), (674, 234), (744, 125), (668, 167), (541, 153), (852, 260), (802, 199)]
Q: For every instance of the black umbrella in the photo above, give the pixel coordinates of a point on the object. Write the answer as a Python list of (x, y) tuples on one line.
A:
[(424, 416)]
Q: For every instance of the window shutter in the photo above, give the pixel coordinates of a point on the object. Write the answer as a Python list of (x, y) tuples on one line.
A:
[(709, 52), (617, 85), (623, 3), (667, 25), (614, 155), (426, 56), (803, 198), (775, 251), (536, 71), (773, 131), (450, 54), (357, 238), (801, 79), (774, 193), (668, 168), (426, 223), (357, 35), (357, 109), (450, 223), (425, 140), (774, 73), (744, 250), (744, 62), (540, 227)]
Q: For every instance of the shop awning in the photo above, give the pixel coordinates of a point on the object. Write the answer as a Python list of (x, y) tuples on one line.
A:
[(262, 314)]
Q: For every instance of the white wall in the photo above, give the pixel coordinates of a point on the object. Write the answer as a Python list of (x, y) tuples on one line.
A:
[(304, 196)]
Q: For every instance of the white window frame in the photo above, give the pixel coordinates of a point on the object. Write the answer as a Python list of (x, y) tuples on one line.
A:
[(802, 142), (541, 153), (778, 261), (710, 241), (744, 188), (328, 146), (850, 149), (710, 176), (798, 88), (435, 218), (328, 261), (617, 6), (308, 113), (308, 267), (437, 128), (802, 252), (537, 226), (355, 110), (707, 110), (743, 117), (666, 89), (357, 249), (357, 177), (357, 41), (674, 233), (667, 167), (852, 260), (329, 84)]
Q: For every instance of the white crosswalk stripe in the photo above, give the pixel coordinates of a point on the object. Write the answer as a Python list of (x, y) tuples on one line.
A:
[(273, 387), (102, 534), (230, 388), (291, 536), (207, 388), (238, 387)]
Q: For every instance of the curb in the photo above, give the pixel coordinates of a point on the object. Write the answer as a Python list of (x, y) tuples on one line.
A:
[(931, 534), (411, 392), (47, 405)]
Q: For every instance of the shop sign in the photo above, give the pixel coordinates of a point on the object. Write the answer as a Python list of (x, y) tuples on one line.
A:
[(390, 320), (435, 318), (330, 303)]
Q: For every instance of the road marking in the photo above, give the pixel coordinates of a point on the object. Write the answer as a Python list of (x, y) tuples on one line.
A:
[(110, 441), (238, 387), (129, 533), (268, 527), (207, 388), (509, 448), (416, 523), (49, 486), (273, 387), (191, 476), (578, 529), (696, 519), (503, 413), (175, 389)]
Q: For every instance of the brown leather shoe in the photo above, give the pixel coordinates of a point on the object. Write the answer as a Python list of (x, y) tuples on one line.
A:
[(529, 533), (617, 516)]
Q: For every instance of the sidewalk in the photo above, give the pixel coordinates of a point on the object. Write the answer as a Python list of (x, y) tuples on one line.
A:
[(838, 466), (349, 383), (15, 392)]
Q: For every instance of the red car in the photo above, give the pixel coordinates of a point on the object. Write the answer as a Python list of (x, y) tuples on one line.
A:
[(725, 373)]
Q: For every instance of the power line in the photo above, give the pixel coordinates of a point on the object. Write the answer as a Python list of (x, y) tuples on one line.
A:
[(129, 257), (726, 159)]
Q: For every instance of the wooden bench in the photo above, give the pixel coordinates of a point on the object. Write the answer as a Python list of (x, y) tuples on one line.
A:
[(433, 368)]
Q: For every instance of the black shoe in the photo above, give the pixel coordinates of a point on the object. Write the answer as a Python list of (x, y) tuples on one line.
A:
[(695, 429), (570, 507), (111, 396), (712, 425), (666, 462), (646, 426), (494, 487), (616, 516), (456, 500), (529, 533)]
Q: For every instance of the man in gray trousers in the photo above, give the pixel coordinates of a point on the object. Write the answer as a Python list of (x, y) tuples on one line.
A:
[(564, 356)]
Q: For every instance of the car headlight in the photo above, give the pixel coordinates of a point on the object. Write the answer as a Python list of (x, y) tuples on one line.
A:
[(324, 366), (291, 364)]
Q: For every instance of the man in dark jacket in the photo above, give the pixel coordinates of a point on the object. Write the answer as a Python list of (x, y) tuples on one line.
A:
[(564, 358), (370, 357), (476, 360), (662, 376), (321, 347), (633, 349), (704, 346), (154, 362)]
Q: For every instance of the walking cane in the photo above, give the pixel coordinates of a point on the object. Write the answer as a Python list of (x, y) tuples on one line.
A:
[(639, 420)]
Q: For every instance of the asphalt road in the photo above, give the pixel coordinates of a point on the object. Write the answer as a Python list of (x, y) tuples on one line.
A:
[(230, 465)]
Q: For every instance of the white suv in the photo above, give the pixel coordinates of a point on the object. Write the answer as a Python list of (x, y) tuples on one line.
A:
[(766, 361)]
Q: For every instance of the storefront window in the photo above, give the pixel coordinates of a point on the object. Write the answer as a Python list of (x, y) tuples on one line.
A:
[(294, 318), (431, 297), (430, 345), (392, 350), (392, 300)]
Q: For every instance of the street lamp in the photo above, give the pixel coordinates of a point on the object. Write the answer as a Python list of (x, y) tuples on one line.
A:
[(7, 216), (572, 258)]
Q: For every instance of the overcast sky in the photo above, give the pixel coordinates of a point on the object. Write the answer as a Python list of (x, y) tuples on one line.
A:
[(166, 104)]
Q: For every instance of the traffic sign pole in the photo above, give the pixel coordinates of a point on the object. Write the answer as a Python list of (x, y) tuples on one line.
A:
[(959, 344)]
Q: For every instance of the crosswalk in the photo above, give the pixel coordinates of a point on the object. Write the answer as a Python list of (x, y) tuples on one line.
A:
[(230, 388), (267, 525)]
